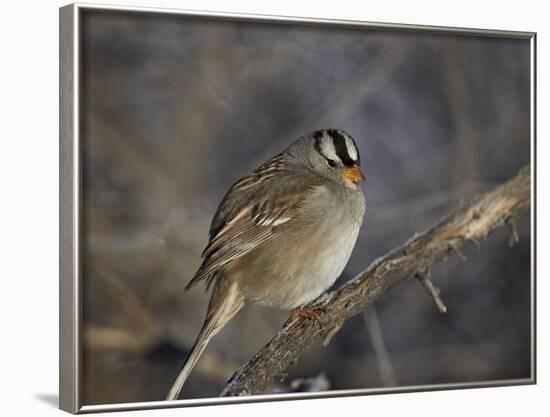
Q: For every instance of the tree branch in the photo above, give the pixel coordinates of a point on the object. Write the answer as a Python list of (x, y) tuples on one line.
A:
[(434, 292), (467, 223), (383, 360)]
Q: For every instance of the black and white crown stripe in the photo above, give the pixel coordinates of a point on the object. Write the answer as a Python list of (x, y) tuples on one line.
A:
[(337, 145)]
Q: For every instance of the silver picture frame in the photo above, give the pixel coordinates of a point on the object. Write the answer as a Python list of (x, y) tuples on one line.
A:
[(70, 195)]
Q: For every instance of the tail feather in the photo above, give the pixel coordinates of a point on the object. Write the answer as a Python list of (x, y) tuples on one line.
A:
[(226, 301), (196, 351)]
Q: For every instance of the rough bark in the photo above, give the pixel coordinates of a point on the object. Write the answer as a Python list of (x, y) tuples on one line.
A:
[(469, 222)]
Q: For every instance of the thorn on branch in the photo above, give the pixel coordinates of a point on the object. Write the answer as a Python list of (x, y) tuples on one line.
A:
[(434, 292), (476, 242), (514, 238), (454, 247)]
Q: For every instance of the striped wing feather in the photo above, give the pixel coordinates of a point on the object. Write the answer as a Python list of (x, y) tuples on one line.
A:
[(254, 210)]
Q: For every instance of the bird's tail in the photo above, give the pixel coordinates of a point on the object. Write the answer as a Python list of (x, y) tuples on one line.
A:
[(226, 301)]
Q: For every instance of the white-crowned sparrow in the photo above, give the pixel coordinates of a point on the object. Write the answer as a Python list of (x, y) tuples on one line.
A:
[(282, 234)]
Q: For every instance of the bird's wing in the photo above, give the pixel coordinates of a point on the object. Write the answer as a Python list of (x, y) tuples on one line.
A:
[(254, 210)]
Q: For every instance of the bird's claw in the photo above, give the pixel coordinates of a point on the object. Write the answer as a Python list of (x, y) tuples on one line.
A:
[(307, 313)]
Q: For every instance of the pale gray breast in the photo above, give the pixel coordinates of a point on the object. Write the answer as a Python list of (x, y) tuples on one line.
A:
[(300, 264), (342, 214)]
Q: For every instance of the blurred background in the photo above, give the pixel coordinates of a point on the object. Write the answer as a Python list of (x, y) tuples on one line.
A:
[(175, 109)]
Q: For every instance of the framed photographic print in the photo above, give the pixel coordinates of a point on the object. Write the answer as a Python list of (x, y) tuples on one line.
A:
[(260, 208)]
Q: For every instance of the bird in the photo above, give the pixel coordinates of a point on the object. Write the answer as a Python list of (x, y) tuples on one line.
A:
[(282, 234)]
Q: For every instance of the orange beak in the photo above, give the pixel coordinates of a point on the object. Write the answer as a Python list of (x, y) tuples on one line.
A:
[(354, 174)]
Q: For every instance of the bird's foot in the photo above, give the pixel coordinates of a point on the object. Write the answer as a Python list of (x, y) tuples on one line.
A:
[(307, 313)]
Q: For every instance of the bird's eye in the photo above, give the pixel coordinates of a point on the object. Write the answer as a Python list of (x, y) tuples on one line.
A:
[(331, 163)]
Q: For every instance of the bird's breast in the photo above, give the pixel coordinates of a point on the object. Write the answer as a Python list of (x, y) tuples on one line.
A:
[(297, 266)]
